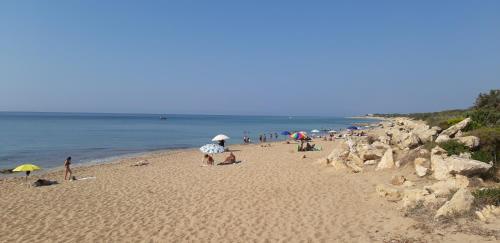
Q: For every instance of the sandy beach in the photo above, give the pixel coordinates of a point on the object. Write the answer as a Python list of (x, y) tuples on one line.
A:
[(274, 195)]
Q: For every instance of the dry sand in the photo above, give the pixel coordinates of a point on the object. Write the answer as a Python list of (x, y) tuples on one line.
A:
[(273, 195)]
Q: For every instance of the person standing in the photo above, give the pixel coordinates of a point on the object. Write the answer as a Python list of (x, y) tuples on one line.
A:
[(67, 169)]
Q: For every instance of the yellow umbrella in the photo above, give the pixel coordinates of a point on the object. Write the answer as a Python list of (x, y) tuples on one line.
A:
[(27, 168)]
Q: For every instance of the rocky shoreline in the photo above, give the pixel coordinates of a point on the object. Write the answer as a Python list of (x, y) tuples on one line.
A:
[(401, 146)]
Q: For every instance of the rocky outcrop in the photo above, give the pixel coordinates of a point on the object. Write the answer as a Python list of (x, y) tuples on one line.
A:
[(444, 166), (422, 166), (387, 161), (451, 131), (460, 203), (442, 138), (388, 192), (469, 141)]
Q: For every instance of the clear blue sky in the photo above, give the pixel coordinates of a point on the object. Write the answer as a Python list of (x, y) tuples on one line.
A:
[(247, 57)]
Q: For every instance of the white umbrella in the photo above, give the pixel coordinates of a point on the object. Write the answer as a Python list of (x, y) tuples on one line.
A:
[(220, 137), (315, 131), (332, 131), (212, 149)]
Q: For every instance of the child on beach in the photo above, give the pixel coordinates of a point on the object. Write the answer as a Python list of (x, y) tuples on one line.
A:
[(208, 160)]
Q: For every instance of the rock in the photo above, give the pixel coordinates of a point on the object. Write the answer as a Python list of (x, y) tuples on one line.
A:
[(459, 134), (413, 197), (451, 131), (411, 141), (444, 167), (489, 213), (370, 162), (380, 145), (354, 167), (424, 134), (443, 188), (370, 153), (465, 155), (385, 139), (460, 203), (436, 128), (461, 181), (476, 182), (389, 193), (398, 180), (469, 141), (355, 159), (442, 138), (422, 165), (387, 161)]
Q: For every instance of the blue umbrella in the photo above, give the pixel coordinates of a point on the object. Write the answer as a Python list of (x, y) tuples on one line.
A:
[(212, 149), (285, 133), (352, 128)]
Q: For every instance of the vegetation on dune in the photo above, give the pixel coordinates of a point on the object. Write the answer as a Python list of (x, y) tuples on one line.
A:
[(485, 124)]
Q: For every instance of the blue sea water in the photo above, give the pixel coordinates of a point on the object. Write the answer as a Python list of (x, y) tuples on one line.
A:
[(46, 139)]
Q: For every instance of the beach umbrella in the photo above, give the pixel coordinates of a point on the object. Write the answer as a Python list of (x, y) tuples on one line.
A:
[(298, 135), (352, 128), (220, 137), (285, 133), (28, 168), (315, 131), (212, 149), (332, 131)]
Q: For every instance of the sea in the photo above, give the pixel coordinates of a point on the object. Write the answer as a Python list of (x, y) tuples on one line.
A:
[(46, 139)]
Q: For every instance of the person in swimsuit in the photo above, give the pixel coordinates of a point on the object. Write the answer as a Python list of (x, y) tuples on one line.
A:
[(207, 159), (67, 172)]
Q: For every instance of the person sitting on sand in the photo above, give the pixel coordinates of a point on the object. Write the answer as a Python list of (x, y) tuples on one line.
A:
[(67, 169), (309, 147), (208, 160), (230, 159)]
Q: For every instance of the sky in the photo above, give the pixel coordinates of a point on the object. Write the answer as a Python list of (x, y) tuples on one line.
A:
[(332, 58)]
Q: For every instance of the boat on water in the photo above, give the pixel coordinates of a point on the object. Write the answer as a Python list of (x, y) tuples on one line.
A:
[(163, 118)]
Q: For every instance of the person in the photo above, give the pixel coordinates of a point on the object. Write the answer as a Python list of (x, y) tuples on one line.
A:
[(260, 138), (67, 168), (208, 160), (276, 135), (264, 139), (230, 159), (309, 147), (221, 143)]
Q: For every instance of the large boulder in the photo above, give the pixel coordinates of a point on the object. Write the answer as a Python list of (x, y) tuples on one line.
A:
[(445, 166), (469, 141), (413, 197), (424, 133), (353, 166), (338, 156), (451, 131), (442, 138), (410, 141), (388, 192), (460, 203), (387, 161), (369, 152), (422, 166)]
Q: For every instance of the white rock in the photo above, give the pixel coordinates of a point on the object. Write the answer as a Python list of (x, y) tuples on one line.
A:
[(451, 131), (412, 197), (422, 165), (469, 141), (387, 161), (370, 162), (489, 213), (442, 138), (460, 203), (444, 167)]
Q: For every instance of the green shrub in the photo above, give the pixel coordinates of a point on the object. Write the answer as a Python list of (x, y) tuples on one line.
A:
[(489, 142), (483, 118), (489, 100), (487, 196), (453, 121), (483, 156), (454, 147)]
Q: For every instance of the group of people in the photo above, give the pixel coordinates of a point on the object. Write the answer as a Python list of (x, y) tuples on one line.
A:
[(263, 137), (308, 147), (209, 160)]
